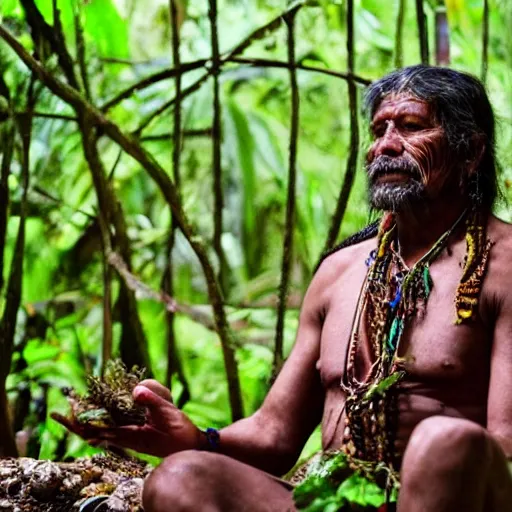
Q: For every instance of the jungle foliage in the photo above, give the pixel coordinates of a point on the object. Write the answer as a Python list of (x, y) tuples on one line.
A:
[(171, 172)]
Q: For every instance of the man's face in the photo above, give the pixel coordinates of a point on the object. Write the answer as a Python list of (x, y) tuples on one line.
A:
[(408, 161)]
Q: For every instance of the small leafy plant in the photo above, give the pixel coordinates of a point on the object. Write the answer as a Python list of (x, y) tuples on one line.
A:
[(108, 401), (330, 485)]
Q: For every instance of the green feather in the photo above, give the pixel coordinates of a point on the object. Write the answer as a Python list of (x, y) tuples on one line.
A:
[(427, 280), (394, 333)]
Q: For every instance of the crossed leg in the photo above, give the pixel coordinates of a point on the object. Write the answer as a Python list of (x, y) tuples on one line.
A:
[(454, 465), (193, 481), (450, 465)]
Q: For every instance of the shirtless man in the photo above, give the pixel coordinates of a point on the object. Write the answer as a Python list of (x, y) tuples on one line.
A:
[(432, 165)]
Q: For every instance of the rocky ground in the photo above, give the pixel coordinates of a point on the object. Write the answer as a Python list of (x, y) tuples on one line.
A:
[(99, 484)]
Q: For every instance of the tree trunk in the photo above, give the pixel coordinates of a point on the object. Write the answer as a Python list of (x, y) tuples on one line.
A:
[(7, 443)]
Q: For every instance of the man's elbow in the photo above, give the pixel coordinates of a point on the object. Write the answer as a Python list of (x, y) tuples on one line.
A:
[(282, 448)]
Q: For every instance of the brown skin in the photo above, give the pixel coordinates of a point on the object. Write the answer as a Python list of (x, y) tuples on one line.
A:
[(455, 426)]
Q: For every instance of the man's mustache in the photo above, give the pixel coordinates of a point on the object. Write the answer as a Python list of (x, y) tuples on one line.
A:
[(384, 164)]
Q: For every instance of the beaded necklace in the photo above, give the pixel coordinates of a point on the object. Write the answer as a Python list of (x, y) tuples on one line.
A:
[(390, 296)]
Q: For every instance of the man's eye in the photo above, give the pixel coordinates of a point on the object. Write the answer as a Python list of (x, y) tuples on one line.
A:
[(379, 131), (412, 127)]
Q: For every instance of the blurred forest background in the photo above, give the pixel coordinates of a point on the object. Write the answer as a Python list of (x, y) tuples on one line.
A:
[(171, 171)]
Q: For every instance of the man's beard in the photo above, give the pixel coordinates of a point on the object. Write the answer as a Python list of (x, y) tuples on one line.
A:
[(394, 196)]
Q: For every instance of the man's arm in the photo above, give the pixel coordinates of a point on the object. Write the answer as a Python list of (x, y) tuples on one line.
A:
[(499, 410), (272, 438)]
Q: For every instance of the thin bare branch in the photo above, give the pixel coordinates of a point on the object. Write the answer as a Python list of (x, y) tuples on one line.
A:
[(218, 193), (173, 362), (80, 50), (49, 115), (206, 132), (262, 32), (41, 31), (107, 293), (153, 79), (15, 281), (14, 284), (422, 31), (168, 104), (270, 63), (442, 36), (44, 193), (399, 33), (143, 291), (8, 135), (348, 179), (290, 199), (485, 42)]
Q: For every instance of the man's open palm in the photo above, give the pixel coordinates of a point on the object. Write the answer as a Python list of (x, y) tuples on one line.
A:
[(167, 430)]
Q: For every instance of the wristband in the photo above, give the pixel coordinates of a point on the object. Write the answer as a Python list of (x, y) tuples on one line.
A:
[(212, 439)]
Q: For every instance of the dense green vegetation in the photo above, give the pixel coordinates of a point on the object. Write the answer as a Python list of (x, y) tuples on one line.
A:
[(188, 182)]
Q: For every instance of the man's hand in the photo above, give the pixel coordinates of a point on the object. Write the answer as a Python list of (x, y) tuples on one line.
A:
[(167, 430)]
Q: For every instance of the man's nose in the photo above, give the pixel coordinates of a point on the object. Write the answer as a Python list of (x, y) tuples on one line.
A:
[(390, 144)]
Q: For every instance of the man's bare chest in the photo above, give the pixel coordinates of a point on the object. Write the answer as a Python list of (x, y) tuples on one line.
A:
[(436, 351)]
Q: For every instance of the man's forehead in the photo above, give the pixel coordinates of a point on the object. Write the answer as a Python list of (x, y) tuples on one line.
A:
[(394, 104)]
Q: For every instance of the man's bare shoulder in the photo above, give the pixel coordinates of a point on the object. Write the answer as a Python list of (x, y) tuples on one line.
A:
[(340, 261), (500, 264)]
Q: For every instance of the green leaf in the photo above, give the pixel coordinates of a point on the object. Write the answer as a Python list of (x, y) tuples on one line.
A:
[(9, 8), (383, 385), (104, 25)]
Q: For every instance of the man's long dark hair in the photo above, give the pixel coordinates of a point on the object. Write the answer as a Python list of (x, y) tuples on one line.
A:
[(465, 113)]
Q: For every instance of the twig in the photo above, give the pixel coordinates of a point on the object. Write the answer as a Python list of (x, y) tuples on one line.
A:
[(206, 132), (80, 50), (227, 351), (47, 195), (290, 199), (116, 163), (143, 291), (125, 62), (159, 175), (263, 31), (197, 313), (153, 79), (399, 45), (168, 104), (48, 115), (485, 42), (218, 195), (107, 294), (173, 363), (40, 30), (270, 63), (442, 36), (422, 31), (8, 136), (89, 143), (350, 171), (15, 281)]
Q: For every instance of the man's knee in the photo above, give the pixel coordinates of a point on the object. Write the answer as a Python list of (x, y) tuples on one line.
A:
[(181, 482), (437, 433), (442, 444)]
